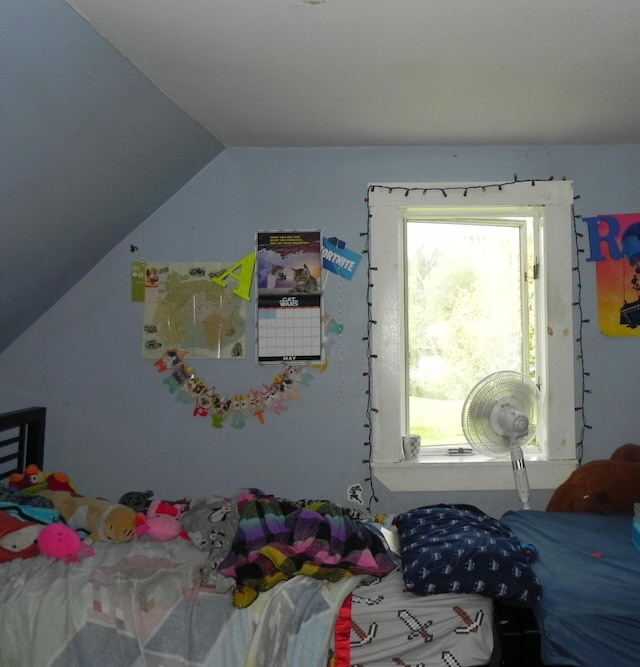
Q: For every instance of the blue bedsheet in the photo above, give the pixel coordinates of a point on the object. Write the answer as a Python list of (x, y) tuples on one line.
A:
[(589, 613)]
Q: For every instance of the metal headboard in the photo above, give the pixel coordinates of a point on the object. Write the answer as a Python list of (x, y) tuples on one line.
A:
[(21, 440)]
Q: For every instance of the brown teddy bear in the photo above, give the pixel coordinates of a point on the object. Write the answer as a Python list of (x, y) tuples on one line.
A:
[(605, 486)]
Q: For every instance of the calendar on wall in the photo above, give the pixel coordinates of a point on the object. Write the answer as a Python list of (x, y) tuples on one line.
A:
[(289, 303)]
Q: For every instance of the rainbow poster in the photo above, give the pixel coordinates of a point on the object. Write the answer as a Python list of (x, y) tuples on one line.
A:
[(614, 244)]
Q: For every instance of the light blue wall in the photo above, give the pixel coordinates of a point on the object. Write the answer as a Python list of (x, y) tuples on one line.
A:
[(89, 148), (114, 426)]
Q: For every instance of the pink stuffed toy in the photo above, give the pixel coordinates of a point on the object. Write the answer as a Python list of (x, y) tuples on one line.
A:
[(162, 522), (59, 541)]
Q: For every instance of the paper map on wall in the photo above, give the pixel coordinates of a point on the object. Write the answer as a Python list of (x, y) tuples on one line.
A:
[(183, 308)]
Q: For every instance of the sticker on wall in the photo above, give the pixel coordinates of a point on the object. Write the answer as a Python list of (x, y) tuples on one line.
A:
[(138, 281), (354, 494), (614, 242), (186, 309), (181, 379)]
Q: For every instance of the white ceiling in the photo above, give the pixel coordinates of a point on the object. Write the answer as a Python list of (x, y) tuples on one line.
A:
[(388, 72)]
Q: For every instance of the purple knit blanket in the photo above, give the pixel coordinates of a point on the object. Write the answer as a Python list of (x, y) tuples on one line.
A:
[(278, 539)]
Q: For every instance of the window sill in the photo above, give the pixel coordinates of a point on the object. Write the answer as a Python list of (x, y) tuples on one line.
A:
[(463, 473)]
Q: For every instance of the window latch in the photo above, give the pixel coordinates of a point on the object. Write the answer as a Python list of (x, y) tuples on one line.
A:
[(460, 451)]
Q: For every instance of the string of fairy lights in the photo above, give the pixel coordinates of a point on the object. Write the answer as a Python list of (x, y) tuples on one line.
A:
[(368, 425), (582, 320), (371, 323)]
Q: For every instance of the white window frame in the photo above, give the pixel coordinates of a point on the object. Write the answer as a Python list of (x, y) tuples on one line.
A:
[(388, 207)]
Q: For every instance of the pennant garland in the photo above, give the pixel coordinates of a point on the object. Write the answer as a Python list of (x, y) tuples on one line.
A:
[(187, 387)]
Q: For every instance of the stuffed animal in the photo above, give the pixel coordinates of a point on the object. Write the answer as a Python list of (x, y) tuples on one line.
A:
[(628, 452), (604, 486), (102, 519), (61, 542), (137, 500), (33, 480), (162, 522), (18, 538), (140, 501)]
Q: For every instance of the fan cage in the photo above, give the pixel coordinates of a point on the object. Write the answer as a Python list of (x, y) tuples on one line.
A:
[(504, 388)]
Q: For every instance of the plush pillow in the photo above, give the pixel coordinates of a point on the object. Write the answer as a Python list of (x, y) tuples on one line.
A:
[(459, 549)]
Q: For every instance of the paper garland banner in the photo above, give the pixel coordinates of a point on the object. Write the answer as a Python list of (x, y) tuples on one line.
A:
[(187, 387)]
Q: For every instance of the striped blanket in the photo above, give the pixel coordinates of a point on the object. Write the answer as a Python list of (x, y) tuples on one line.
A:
[(278, 539)]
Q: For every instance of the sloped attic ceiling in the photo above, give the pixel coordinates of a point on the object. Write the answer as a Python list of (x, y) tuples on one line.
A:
[(389, 72), (89, 149)]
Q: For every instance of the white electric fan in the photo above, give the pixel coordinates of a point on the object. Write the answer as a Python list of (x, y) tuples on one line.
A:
[(499, 416)]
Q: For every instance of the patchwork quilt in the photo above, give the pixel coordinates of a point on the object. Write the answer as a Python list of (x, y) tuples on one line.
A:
[(141, 604)]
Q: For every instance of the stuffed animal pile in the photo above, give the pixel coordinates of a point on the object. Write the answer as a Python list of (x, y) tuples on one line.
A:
[(42, 513), (605, 486)]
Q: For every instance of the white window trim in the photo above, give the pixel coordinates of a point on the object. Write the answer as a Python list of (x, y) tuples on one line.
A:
[(387, 206)]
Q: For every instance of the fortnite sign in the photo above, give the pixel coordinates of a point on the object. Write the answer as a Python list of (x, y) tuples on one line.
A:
[(338, 259)]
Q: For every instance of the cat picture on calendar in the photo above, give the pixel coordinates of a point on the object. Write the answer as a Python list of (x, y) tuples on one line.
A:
[(304, 281)]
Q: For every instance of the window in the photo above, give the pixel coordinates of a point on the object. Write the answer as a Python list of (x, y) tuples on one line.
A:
[(467, 284), (470, 295)]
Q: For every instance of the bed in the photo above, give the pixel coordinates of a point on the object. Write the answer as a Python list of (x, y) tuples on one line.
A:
[(589, 570), (146, 602)]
